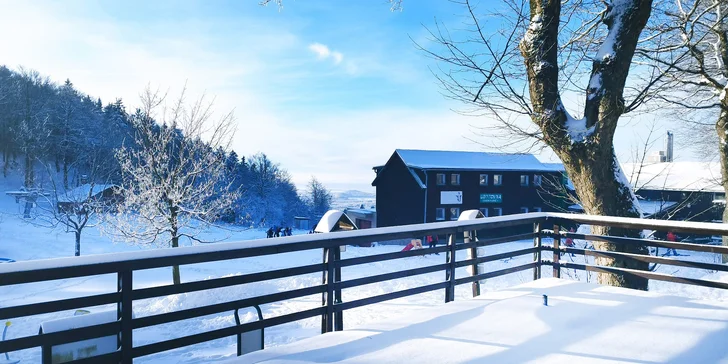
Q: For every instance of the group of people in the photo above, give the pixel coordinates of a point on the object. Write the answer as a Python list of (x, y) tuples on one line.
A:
[(278, 231)]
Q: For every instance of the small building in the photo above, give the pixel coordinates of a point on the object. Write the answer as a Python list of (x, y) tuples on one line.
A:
[(301, 222), (417, 186), (678, 190), (105, 195), (364, 218)]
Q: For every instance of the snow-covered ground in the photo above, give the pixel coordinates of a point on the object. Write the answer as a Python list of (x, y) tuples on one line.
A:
[(582, 323), (22, 241)]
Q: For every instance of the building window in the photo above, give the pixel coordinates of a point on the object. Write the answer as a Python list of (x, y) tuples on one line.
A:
[(441, 179), (497, 179), (497, 211), (484, 210), (536, 179), (439, 213), (455, 179), (483, 179), (524, 210), (524, 180), (454, 213), (536, 209)]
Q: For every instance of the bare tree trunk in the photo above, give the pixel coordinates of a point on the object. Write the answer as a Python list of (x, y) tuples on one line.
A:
[(585, 146), (175, 269), (29, 172), (721, 127), (65, 172), (78, 243)]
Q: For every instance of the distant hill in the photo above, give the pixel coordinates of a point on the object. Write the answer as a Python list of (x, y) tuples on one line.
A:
[(354, 194), (353, 198)]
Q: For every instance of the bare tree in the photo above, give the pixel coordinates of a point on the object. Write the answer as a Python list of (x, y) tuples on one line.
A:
[(77, 208), (692, 51), (319, 198), (546, 50), (173, 174)]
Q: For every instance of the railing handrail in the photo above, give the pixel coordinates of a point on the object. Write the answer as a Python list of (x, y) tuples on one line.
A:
[(68, 267), (157, 258)]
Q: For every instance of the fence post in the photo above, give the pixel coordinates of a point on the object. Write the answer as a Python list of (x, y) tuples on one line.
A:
[(338, 316), (557, 251), (450, 272), (124, 313), (327, 298), (473, 254), (537, 254)]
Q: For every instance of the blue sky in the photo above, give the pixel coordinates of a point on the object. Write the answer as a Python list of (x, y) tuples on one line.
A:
[(326, 88)]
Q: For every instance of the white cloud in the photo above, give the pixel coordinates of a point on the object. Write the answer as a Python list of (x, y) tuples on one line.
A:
[(322, 51)]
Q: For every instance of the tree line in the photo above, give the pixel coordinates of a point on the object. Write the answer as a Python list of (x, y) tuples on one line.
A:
[(43, 123)]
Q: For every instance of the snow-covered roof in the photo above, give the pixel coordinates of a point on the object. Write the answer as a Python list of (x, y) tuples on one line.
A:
[(653, 207), (441, 159), (363, 211), (675, 176), (330, 219), (83, 192), (514, 326)]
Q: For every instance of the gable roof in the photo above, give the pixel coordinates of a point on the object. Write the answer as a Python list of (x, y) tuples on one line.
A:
[(440, 159)]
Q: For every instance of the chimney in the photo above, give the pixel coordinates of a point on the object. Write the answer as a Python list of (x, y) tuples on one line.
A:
[(668, 147)]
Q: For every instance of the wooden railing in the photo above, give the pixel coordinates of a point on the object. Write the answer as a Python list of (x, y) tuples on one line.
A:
[(499, 230)]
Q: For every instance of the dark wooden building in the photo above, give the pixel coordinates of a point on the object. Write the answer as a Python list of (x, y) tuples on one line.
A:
[(417, 186)]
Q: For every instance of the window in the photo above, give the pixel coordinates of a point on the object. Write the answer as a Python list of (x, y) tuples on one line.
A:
[(497, 179), (497, 211), (524, 180), (536, 209), (439, 213), (524, 210), (537, 180), (484, 210), (455, 179), (483, 179), (454, 213), (441, 179)]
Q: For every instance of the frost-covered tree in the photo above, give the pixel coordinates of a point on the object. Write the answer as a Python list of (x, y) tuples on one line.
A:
[(319, 198), (171, 174), (544, 52)]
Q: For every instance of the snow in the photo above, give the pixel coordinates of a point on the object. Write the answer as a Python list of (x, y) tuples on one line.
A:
[(438, 159), (577, 130), (32, 245), (583, 323), (675, 176)]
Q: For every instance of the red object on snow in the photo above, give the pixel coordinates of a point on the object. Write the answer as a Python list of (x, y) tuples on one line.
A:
[(408, 247)]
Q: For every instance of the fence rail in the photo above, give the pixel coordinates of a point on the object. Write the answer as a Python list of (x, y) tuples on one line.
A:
[(500, 230)]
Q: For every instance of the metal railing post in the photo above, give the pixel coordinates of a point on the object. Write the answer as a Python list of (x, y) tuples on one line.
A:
[(124, 313), (327, 319), (557, 252), (450, 272), (537, 254), (473, 254), (338, 316)]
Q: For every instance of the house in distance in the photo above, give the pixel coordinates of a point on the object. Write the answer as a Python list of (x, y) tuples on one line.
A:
[(419, 186)]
